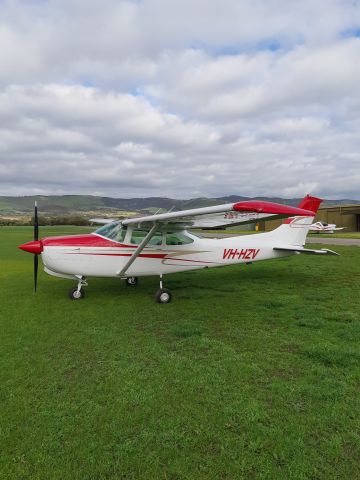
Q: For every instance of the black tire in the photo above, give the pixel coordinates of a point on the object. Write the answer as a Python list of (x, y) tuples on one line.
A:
[(163, 295), (131, 281), (75, 295)]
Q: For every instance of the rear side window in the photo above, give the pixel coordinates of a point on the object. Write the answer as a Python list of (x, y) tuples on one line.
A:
[(178, 238)]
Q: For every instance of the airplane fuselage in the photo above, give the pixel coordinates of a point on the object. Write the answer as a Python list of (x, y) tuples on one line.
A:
[(93, 255)]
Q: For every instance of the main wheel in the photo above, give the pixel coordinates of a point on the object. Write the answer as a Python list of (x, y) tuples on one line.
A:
[(74, 294), (131, 281), (163, 295)]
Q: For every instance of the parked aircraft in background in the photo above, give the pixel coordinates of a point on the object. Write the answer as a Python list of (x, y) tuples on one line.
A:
[(160, 244), (321, 227)]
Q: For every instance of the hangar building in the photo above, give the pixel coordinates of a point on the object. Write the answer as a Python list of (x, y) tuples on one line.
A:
[(342, 215)]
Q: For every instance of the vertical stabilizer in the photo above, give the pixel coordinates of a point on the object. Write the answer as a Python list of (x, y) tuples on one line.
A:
[(294, 230), (310, 203)]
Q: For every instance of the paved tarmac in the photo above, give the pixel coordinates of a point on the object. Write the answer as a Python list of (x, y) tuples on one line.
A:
[(311, 239), (334, 241)]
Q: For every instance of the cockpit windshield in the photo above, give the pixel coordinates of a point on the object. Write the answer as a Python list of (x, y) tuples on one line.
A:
[(114, 231)]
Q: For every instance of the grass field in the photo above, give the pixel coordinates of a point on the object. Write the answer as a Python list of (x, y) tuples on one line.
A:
[(250, 373)]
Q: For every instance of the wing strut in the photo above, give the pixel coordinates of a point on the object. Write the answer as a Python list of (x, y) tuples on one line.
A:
[(139, 249)]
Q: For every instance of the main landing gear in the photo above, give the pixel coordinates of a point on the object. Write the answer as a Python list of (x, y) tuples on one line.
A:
[(131, 281), (78, 292), (163, 295)]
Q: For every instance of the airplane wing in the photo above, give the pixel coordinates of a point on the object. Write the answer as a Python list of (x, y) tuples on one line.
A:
[(221, 215), (101, 221), (308, 251)]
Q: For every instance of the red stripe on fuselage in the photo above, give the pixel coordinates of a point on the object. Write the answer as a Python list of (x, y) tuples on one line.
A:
[(88, 240), (142, 255)]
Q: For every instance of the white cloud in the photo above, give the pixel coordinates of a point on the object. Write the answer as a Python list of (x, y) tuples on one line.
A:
[(180, 98)]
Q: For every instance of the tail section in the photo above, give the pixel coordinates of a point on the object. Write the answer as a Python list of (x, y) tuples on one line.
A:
[(294, 230), (310, 203)]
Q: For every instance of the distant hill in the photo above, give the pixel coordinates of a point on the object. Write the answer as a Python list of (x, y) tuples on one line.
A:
[(70, 204)]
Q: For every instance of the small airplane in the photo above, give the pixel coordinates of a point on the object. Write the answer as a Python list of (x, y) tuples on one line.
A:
[(322, 227), (160, 244)]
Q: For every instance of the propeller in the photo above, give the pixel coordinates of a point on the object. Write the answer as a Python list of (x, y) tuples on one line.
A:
[(36, 237)]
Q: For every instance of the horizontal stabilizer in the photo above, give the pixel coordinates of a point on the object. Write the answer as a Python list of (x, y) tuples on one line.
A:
[(308, 251)]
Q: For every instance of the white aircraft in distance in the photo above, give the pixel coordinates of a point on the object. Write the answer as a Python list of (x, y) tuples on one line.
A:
[(322, 227), (160, 244)]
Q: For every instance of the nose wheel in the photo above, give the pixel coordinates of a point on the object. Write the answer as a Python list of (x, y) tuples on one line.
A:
[(163, 295), (77, 293)]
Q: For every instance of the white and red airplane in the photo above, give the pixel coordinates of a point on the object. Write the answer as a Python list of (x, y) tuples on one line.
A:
[(322, 227), (160, 244)]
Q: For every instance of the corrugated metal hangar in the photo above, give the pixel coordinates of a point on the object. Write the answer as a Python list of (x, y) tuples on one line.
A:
[(342, 215)]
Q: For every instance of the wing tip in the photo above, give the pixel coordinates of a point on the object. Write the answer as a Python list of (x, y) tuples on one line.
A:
[(260, 206)]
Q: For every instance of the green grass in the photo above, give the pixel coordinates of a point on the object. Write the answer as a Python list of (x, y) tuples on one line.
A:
[(251, 372)]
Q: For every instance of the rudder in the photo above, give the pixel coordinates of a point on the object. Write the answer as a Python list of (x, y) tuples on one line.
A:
[(310, 203)]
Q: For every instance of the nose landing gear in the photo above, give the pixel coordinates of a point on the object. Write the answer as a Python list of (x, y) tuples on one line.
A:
[(77, 293)]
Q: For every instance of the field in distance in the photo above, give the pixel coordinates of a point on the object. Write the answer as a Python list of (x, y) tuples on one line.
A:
[(251, 372)]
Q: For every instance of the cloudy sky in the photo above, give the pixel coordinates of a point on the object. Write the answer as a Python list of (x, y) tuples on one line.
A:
[(180, 98)]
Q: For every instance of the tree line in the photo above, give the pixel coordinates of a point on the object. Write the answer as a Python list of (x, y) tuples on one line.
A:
[(46, 220)]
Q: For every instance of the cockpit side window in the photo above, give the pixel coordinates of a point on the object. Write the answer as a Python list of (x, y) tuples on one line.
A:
[(113, 231), (121, 234), (138, 236), (178, 238)]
